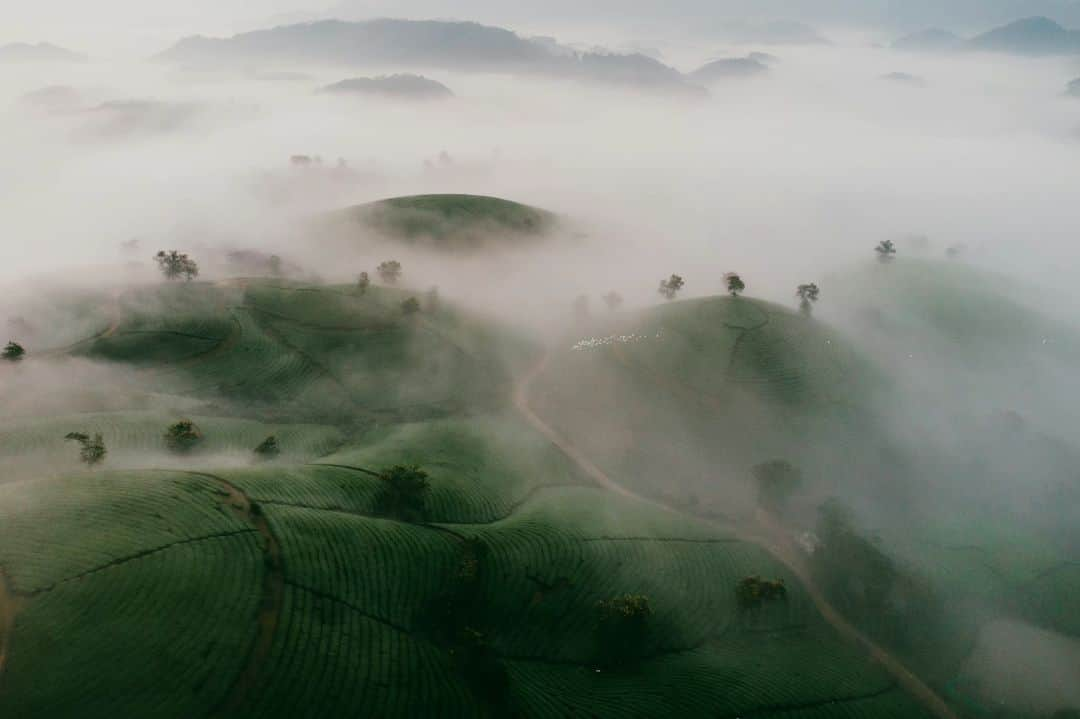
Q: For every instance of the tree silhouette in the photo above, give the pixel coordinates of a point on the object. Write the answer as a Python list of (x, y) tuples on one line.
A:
[(91, 450), (671, 286), (175, 265), (403, 492), (807, 294), (389, 271), (363, 283), (734, 283), (886, 250), (13, 352), (268, 448)]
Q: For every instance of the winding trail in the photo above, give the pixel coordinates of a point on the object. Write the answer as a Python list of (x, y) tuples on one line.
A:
[(9, 606), (764, 531)]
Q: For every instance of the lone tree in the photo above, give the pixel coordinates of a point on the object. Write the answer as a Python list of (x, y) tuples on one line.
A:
[(390, 271), (886, 250), (410, 306), (91, 450), (403, 492), (175, 265), (362, 283), (268, 449), (13, 352), (776, 480), (807, 294), (671, 286), (182, 436), (613, 300), (622, 629), (752, 592), (734, 283)]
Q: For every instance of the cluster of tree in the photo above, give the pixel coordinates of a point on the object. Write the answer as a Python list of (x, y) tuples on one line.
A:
[(671, 287), (776, 480), (175, 265), (454, 620), (622, 629), (91, 449), (182, 436), (389, 271), (751, 592), (403, 493), (13, 352), (268, 449), (410, 306), (887, 600)]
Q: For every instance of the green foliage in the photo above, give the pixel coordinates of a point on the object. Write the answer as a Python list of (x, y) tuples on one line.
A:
[(91, 450), (389, 271), (886, 250), (175, 265), (268, 448), (776, 480), (671, 286), (888, 600), (410, 306), (807, 294), (182, 436), (752, 592), (13, 352), (734, 284), (622, 629), (404, 492)]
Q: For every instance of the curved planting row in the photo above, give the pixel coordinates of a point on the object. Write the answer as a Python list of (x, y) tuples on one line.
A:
[(808, 674), (160, 635), (56, 530), (387, 570), (481, 467), (330, 660)]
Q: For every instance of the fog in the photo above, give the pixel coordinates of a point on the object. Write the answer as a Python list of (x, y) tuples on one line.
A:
[(789, 176)]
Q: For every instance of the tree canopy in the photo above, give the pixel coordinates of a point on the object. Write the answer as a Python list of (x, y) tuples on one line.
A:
[(389, 271), (13, 352), (671, 286), (175, 265)]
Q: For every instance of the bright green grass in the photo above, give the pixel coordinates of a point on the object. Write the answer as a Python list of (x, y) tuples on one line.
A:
[(451, 221)]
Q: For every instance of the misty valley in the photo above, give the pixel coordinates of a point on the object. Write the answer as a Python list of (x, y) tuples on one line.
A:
[(710, 361)]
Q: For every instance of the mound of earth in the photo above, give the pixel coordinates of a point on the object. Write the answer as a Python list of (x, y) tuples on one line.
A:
[(403, 86), (727, 68), (449, 222)]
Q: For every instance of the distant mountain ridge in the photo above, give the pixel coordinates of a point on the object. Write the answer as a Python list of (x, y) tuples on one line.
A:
[(1027, 36), (41, 52), (446, 45)]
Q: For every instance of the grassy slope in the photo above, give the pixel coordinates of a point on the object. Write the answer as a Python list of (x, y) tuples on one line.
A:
[(457, 222), (352, 633)]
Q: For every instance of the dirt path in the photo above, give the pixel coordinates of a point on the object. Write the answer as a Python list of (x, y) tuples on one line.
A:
[(9, 605), (765, 532), (269, 613)]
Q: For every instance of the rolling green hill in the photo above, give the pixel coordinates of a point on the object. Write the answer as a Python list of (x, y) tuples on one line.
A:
[(447, 222), (212, 583)]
